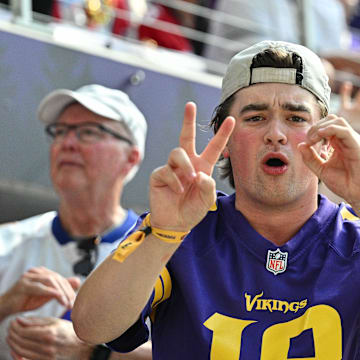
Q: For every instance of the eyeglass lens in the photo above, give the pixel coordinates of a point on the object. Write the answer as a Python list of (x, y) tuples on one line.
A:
[(86, 132)]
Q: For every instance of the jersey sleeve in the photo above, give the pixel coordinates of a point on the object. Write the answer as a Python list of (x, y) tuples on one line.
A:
[(139, 333)]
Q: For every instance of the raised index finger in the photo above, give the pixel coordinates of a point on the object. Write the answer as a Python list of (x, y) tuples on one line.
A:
[(188, 131), (217, 144)]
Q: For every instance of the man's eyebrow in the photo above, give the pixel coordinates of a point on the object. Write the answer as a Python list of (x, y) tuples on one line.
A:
[(296, 107), (287, 106), (254, 107)]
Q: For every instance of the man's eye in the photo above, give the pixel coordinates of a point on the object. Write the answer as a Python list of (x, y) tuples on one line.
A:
[(59, 132), (254, 118), (89, 132), (297, 119)]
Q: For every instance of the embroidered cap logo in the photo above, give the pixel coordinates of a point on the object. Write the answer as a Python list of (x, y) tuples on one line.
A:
[(276, 261)]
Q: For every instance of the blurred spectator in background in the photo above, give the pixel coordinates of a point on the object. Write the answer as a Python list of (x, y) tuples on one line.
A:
[(202, 23), (98, 141), (174, 39), (44, 7), (154, 24), (353, 17), (121, 24), (286, 20), (99, 15), (119, 17), (177, 38)]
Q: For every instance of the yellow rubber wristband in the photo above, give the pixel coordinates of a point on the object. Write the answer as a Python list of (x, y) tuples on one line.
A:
[(129, 245), (168, 236)]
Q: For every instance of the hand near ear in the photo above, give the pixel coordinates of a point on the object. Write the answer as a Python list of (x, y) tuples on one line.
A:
[(339, 168)]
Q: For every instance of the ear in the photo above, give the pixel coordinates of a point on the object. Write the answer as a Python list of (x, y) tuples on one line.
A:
[(133, 158), (226, 153)]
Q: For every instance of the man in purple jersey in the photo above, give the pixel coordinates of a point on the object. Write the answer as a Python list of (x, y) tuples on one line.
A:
[(269, 272)]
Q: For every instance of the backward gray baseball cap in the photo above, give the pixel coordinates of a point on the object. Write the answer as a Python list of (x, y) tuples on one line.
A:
[(240, 73), (109, 103)]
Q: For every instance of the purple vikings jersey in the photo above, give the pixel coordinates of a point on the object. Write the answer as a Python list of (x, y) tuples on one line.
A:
[(229, 294)]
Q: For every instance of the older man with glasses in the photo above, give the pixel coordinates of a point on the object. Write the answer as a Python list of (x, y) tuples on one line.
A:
[(97, 143)]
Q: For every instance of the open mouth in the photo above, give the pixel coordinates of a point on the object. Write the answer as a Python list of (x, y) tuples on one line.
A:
[(275, 162)]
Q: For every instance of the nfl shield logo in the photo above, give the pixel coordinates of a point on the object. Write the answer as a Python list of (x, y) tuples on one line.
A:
[(276, 261)]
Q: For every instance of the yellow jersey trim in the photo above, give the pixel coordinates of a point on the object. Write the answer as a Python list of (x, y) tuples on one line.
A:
[(213, 207), (162, 290), (347, 215)]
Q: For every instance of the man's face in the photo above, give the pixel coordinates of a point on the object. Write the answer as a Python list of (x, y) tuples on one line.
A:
[(271, 120), (77, 166)]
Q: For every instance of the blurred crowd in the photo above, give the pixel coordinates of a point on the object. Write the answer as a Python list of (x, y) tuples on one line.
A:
[(192, 26), (150, 22), (217, 29)]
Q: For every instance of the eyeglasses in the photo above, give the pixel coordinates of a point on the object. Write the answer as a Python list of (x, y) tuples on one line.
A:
[(89, 249), (86, 132)]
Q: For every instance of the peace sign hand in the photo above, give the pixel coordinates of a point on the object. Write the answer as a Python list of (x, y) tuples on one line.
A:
[(182, 191)]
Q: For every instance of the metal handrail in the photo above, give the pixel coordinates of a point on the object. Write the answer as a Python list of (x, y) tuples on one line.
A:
[(213, 15)]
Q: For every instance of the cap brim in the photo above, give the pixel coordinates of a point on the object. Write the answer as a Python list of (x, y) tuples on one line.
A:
[(53, 105)]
